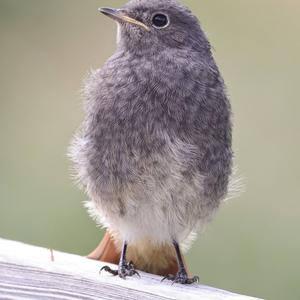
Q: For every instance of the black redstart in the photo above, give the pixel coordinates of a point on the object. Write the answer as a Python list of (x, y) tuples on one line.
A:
[(154, 151)]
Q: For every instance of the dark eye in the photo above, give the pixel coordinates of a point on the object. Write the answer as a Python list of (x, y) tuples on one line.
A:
[(160, 21)]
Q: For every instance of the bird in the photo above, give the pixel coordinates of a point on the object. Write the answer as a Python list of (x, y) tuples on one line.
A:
[(154, 151)]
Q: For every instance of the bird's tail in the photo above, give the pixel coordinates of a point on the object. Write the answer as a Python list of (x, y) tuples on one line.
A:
[(106, 251), (159, 260)]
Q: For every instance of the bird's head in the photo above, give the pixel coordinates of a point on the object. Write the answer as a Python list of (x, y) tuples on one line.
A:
[(153, 25)]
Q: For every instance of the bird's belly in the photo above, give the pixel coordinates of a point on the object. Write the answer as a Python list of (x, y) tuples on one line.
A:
[(162, 204)]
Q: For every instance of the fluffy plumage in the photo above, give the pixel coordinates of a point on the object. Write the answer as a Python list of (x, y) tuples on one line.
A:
[(154, 151)]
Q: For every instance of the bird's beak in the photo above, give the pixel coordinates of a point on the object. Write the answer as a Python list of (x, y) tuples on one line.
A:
[(120, 16)]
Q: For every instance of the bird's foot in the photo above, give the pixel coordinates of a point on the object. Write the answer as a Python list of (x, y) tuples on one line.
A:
[(182, 278), (124, 270)]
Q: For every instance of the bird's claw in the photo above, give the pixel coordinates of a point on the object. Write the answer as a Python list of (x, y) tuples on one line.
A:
[(109, 270), (182, 278), (125, 270)]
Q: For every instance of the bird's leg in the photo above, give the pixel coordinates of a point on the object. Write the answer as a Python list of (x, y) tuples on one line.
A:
[(125, 269), (182, 275)]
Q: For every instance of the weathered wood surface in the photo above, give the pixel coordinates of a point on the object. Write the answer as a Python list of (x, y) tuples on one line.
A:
[(28, 272)]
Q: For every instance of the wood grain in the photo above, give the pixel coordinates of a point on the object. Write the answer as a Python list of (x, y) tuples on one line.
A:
[(28, 272)]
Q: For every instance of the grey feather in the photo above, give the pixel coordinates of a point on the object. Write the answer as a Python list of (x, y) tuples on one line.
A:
[(154, 151)]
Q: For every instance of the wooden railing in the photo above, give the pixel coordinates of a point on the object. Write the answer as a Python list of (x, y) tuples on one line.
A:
[(28, 272)]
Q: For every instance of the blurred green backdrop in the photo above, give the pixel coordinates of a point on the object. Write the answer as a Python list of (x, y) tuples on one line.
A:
[(46, 49)]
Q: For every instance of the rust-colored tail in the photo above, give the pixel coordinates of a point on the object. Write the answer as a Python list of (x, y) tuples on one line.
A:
[(107, 251)]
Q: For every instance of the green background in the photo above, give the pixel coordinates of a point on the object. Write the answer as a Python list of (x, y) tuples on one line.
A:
[(46, 49)]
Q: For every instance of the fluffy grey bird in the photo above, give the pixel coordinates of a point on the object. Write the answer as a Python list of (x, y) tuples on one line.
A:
[(154, 151)]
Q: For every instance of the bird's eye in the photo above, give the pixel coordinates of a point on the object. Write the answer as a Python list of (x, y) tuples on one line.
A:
[(160, 20)]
